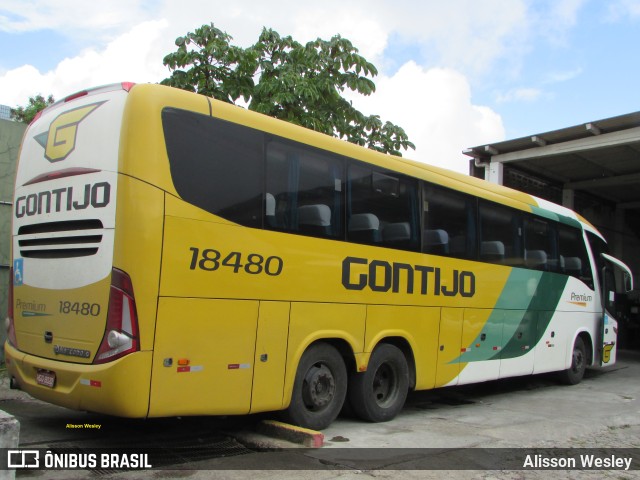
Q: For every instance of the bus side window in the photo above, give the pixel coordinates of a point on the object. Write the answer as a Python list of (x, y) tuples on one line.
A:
[(598, 246), (215, 165), (364, 228), (540, 244), (382, 208), (500, 235), (448, 222), (573, 254), (304, 190)]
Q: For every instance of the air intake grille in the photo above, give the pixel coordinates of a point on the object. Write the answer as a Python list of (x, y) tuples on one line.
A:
[(77, 238)]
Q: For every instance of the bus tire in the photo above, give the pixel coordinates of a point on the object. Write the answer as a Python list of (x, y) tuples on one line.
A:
[(378, 394), (319, 389), (573, 375)]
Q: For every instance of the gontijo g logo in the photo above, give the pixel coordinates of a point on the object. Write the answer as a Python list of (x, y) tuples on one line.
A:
[(60, 140)]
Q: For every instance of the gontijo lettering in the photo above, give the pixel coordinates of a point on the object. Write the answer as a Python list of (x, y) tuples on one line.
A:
[(96, 195), (382, 276)]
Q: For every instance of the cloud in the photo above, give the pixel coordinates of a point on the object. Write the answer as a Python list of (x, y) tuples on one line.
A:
[(533, 94), (135, 56), (70, 16), (558, 19), (519, 95), (467, 35), (366, 34), (562, 76), (434, 107), (623, 9)]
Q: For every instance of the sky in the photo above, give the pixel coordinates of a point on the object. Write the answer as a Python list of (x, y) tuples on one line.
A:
[(454, 74)]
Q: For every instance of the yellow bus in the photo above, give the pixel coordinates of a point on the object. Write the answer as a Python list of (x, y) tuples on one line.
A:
[(175, 255)]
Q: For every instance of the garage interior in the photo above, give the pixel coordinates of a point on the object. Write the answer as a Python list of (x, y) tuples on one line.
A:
[(592, 168)]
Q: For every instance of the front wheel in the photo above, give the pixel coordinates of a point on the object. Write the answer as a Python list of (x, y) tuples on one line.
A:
[(319, 389), (573, 375), (378, 394)]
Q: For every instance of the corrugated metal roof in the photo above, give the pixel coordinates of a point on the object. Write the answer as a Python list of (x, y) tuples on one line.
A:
[(601, 158)]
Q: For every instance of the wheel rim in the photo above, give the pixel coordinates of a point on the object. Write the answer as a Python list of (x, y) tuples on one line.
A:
[(385, 385), (319, 387)]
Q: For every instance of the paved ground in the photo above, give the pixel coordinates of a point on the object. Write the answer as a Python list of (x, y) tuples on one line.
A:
[(602, 412)]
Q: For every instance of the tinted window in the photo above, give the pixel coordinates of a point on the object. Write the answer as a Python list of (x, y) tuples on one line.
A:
[(383, 208), (574, 260), (449, 223), (216, 165), (540, 244), (500, 235), (304, 190)]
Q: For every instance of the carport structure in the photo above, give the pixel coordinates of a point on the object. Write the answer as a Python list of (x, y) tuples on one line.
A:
[(593, 168)]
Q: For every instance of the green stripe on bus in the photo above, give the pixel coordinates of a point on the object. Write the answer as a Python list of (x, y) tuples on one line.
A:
[(542, 212), (520, 316), (537, 317)]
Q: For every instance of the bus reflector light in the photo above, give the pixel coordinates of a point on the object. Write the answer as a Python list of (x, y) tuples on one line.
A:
[(127, 86), (183, 361), (73, 96), (36, 117), (66, 172), (90, 383)]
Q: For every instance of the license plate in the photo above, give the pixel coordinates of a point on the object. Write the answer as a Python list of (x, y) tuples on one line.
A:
[(46, 378)]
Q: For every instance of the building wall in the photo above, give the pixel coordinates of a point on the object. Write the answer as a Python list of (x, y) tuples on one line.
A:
[(10, 138), (5, 112)]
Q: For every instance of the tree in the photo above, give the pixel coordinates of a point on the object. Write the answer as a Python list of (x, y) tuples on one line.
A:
[(280, 77), (27, 113)]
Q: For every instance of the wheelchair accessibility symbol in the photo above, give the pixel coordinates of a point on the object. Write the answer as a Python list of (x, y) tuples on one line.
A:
[(18, 272)]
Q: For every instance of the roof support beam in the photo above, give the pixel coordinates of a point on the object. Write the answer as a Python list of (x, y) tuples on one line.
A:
[(593, 129), (604, 140), (539, 141)]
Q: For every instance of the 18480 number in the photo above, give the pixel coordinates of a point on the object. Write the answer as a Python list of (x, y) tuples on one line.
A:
[(86, 309), (210, 260)]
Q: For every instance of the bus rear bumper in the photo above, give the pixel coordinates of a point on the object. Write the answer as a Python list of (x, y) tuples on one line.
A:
[(119, 388)]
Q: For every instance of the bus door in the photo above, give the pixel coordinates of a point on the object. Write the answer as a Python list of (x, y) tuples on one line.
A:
[(616, 279)]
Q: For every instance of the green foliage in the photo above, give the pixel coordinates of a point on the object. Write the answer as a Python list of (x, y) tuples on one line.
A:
[(282, 78), (27, 113)]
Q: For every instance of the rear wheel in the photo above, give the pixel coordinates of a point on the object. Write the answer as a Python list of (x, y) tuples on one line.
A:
[(320, 388), (573, 375), (378, 394)]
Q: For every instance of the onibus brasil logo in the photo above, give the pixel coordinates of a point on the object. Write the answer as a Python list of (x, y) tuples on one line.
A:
[(60, 140)]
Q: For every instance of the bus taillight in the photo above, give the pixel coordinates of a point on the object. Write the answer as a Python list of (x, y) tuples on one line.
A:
[(121, 334), (11, 329)]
